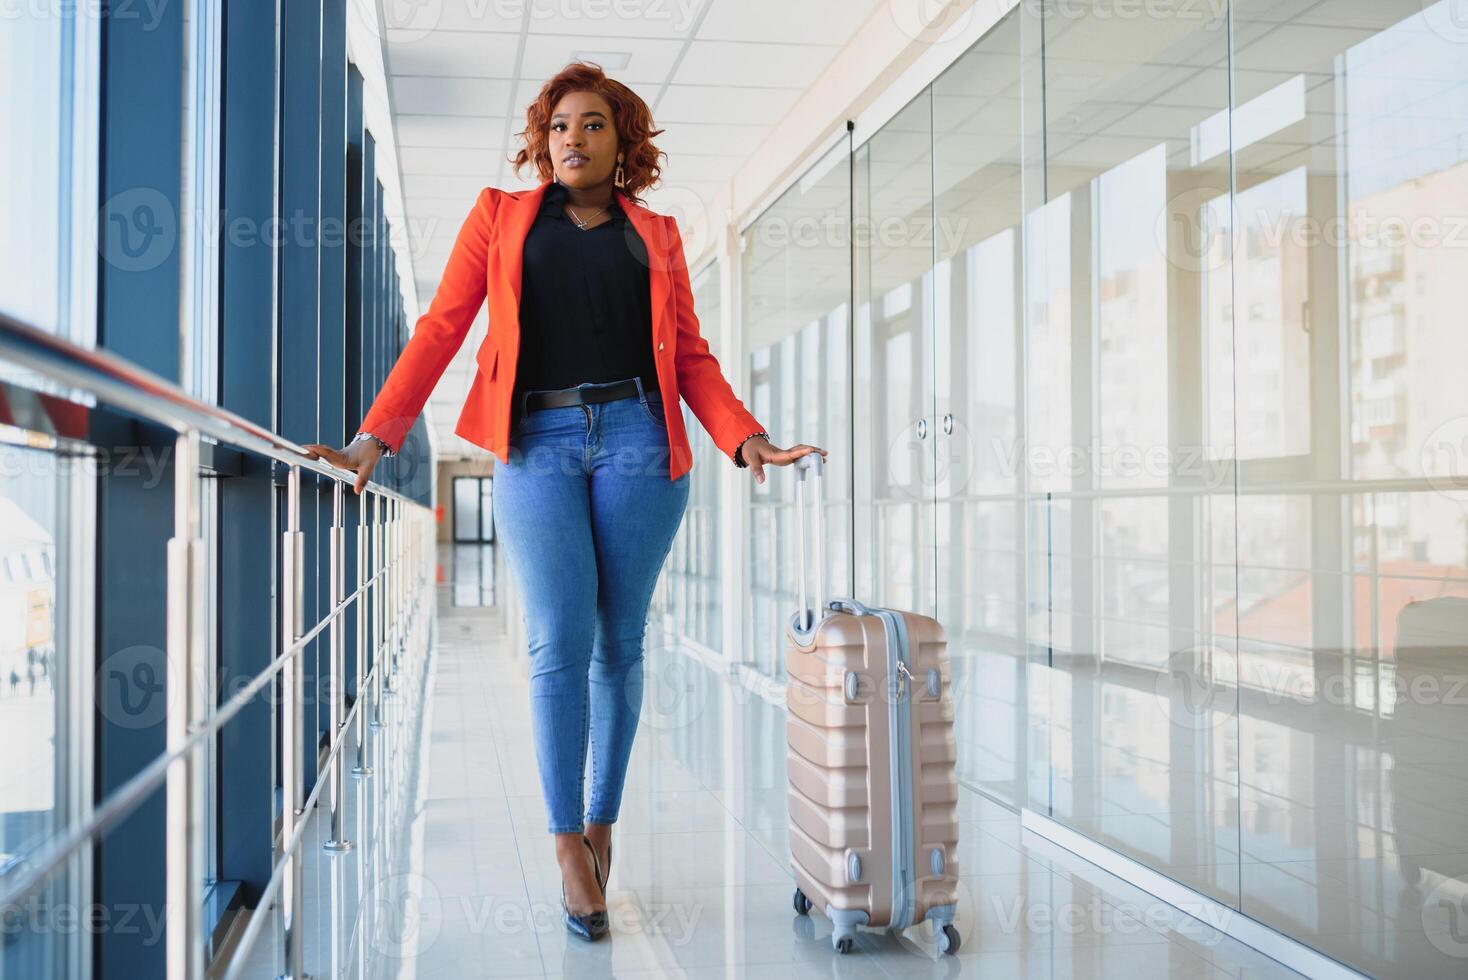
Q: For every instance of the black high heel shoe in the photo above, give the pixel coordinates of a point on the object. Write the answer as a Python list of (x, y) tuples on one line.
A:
[(592, 925)]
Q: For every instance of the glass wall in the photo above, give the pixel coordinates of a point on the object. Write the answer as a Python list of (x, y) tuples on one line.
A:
[(795, 277), (1240, 272), (893, 176), (473, 533), (1128, 329), (45, 55), (691, 583), (47, 501), (1155, 345), (1350, 146), (44, 583), (160, 251), (977, 412), (48, 180)]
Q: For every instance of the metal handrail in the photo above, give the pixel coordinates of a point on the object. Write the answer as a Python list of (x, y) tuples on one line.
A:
[(397, 543), (256, 925), (1292, 487), (120, 802), (119, 382)]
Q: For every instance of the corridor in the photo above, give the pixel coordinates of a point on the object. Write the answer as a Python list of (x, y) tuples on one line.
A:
[(1130, 333), (700, 884)]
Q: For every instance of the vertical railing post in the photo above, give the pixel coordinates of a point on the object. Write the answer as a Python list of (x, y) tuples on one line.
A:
[(384, 563), (187, 648), (341, 916), (386, 755), (411, 590), (336, 782), (397, 599), (366, 837), (291, 723), (422, 588), (389, 600), (375, 590), (364, 560)]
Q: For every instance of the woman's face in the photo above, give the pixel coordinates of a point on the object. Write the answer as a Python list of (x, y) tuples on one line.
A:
[(582, 140)]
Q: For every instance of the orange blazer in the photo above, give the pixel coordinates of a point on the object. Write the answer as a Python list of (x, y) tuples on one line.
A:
[(486, 262)]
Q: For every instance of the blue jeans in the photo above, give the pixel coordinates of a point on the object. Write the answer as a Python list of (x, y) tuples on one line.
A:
[(586, 514)]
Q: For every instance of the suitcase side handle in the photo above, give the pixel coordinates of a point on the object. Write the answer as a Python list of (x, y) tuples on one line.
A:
[(849, 606), (807, 618)]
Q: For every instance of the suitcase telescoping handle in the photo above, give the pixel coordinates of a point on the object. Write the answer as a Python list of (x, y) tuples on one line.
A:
[(807, 618)]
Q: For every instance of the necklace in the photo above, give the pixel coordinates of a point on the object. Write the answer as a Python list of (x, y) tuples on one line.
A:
[(582, 223)]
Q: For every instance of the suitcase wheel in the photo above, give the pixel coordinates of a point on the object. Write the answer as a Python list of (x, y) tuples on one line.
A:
[(844, 944), (948, 940), (802, 904)]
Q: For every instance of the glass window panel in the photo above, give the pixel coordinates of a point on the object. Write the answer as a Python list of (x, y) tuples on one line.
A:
[(474, 577), (976, 335), (43, 771), (466, 509), (1123, 260), (692, 589), (795, 275), (895, 351), (486, 510), (48, 180), (1352, 276), (33, 53)]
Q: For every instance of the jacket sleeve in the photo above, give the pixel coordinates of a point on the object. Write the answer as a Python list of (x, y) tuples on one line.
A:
[(439, 333), (701, 382)]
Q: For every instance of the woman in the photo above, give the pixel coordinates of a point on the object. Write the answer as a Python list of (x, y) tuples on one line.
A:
[(592, 325)]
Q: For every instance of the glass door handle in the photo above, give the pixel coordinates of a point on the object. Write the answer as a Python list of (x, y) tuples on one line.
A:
[(922, 428), (948, 424)]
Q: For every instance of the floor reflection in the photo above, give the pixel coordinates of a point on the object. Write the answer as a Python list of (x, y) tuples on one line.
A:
[(471, 573), (1336, 817), (702, 883), (1326, 795)]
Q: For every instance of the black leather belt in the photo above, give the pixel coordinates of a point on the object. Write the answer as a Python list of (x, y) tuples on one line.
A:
[(561, 397)]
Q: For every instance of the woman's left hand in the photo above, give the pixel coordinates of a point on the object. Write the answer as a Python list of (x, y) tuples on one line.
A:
[(759, 451)]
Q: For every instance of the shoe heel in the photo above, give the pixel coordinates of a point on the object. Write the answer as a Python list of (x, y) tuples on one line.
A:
[(599, 922), (595, 865)]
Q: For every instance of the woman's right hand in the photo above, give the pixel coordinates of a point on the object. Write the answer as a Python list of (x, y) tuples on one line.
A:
[(359, 457)]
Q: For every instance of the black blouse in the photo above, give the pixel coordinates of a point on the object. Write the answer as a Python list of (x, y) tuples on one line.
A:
[(585, 302)]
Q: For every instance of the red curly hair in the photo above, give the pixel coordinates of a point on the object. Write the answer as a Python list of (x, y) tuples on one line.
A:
[(630, 115)]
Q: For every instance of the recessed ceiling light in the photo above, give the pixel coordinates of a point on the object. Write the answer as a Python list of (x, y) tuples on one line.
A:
[(609, 60)]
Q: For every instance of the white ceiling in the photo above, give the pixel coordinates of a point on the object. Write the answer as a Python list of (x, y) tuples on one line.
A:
[(717, 74)]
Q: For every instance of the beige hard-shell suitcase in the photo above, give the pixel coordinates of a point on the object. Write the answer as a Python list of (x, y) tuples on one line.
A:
[(873, 792)]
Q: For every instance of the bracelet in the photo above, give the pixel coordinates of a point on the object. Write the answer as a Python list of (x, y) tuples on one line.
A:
[(738, 453), (382, 445)]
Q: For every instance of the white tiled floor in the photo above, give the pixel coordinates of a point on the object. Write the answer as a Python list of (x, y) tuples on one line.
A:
[(700, 885)]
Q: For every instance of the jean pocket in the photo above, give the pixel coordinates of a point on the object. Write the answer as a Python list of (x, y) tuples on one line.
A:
[(653, 409)]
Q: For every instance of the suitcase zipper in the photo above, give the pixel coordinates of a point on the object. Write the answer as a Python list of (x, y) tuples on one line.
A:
[(900, 719)]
